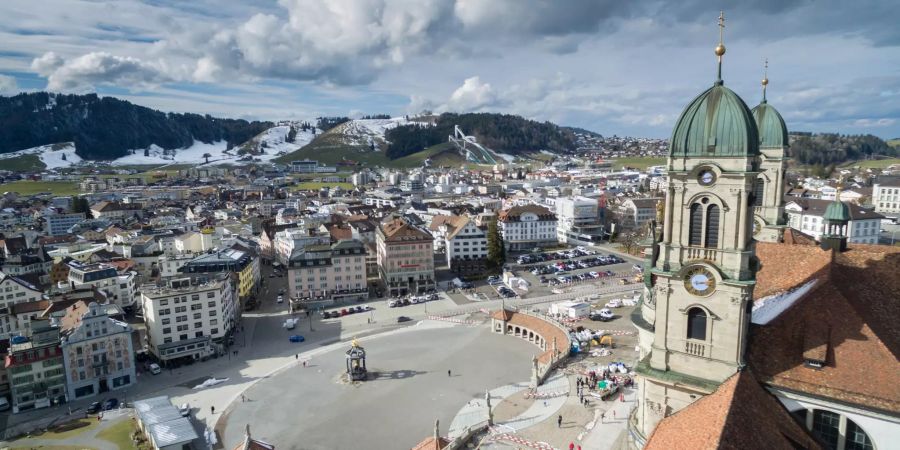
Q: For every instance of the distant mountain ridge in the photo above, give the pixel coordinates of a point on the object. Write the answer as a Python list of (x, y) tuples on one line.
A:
[(107, 128)]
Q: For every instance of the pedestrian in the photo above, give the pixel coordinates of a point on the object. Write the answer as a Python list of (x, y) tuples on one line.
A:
[(571, 446), (304, 363), (243, 399), (212, 409), (614, 414), (98, 417), (296, 355), (559, 421), (448, 373)]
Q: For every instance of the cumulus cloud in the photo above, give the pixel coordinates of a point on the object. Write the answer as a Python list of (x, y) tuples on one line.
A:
[(8, 85), (471, 96), (97, 68), (867, 123)]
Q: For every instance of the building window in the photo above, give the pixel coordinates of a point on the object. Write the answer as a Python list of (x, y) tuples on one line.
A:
[(826, 427), (696, 225), (696, 324), (712, 226), (758, 192)]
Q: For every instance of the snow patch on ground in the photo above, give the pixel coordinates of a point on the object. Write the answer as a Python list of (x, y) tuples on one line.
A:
[(508, 158), (265, 147), (368, 131), (768, 308), (53, 159)]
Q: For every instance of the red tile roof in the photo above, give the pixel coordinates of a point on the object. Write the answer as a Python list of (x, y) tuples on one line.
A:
[(740, 414), (431, 443)]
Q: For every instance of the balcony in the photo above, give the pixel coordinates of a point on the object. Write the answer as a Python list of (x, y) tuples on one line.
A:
[(695, 348), (694, 253)]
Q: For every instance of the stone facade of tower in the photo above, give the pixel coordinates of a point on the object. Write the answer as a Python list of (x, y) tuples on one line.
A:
[(768, 205), (698, 292)]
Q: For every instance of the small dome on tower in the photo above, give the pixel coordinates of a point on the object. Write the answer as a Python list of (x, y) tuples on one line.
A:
[(837, 211), (717, 123), (770, 125)]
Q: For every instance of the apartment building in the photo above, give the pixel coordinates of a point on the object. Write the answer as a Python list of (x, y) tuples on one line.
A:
[(333, 273), (886, 196), (526, 227), (578, 220), (97, 351), (58, 224), (34, 366), (119, 288), (465, 245), (405, 256), (187, 316), (238, 260), (14, 291), (290, 241), (635, 212)]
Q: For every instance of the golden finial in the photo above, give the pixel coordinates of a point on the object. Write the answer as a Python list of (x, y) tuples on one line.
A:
[(720, 49), (355, 343), (765, 80)]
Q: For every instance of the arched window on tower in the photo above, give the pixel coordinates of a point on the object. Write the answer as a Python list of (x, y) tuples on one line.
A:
[(696, 227), (696, 324), (712, 226), (759, 191)]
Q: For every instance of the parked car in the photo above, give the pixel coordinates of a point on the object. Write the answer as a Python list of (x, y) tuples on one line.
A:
[(344, 312), (614, 303), (185, 410), (393, 303), (358, 309), (110, 403), (155, 369), (604, 315), (280, 299), (402, 319), (94, 408), (296, 338)]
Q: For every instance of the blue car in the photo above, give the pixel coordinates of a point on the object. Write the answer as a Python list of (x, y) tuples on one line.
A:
[(296, 338)]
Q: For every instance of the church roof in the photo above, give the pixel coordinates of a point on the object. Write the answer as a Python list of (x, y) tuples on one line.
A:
[(770, 125), (837, 211), (846, 323), (717, 123), (739, 414)]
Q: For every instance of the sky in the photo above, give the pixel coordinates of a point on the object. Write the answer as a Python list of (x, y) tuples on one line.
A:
[(610, 66)]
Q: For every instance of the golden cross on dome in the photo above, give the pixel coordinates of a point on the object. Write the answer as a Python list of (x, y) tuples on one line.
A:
[(720, 49)]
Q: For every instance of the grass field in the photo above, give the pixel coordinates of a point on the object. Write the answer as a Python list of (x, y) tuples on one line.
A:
[(23, 163), (316, 185), (872, 163), (27, 187), (637, 162), (894, 142), (119, 435)]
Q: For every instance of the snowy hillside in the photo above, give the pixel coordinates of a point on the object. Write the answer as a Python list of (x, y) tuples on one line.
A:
[(365, 132), (53, 155), (266, 146)]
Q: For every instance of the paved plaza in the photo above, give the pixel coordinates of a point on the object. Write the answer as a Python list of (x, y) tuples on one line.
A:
[(311, 408)]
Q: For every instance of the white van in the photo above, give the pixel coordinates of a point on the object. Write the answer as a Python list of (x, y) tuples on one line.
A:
[(155, 369)]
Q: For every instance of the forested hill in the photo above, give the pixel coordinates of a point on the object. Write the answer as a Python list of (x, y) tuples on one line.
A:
[(499, 132), (106, 128), (827, 148)]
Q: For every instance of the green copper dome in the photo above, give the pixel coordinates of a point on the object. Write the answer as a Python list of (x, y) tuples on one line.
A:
[(837, 211), (772, 130), (715, 124)]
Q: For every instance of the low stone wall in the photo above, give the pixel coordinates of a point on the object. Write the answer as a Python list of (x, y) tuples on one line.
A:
[(542, 331)]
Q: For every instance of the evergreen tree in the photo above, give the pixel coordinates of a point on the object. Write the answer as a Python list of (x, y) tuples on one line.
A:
[(292, 134), (496, 248)]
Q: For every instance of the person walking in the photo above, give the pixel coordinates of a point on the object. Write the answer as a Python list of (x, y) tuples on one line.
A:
[(296, 355), (448, 373), (212, 409), (559, 421), (571, 446), (243, 399)]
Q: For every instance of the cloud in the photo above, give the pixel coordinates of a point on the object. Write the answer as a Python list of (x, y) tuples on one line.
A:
[(8, 85), (473, 95), (97, 68), (869, 123)]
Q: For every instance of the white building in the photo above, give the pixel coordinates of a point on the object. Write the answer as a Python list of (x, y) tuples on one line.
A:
[(329, 272), (97, 351), (886, 197), (119, 288), (805, 214), (527, 227), (13, 291), (57, 224), (294, 240), (186, 315), (578, 220), (465, 245)]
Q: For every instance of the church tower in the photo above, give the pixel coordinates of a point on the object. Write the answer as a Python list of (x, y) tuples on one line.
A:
[(768, 189), (696, 307)]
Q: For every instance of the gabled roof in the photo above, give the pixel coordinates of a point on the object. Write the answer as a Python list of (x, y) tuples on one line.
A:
[(818, 207), (740, 414)]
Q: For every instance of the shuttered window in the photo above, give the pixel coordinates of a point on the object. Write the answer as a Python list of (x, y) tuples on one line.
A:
[(696, 229), (758, 192), (712, 226)]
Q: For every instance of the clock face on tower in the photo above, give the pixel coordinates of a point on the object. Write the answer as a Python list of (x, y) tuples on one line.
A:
[(699, 281)]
